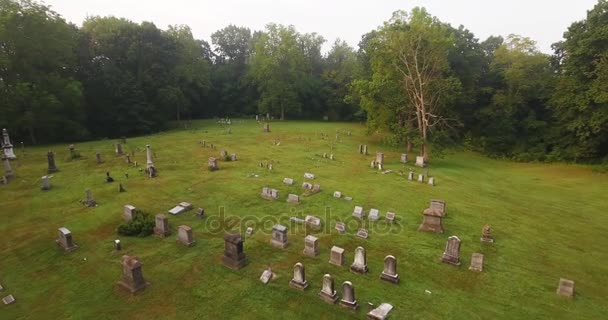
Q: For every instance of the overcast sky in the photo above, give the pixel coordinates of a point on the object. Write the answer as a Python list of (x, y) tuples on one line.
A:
[(542, 20)]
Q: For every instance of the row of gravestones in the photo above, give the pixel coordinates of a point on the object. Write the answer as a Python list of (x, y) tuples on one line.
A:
[(273, 194)]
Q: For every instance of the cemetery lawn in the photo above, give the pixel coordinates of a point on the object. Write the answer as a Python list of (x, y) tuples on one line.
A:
[(549, 221)]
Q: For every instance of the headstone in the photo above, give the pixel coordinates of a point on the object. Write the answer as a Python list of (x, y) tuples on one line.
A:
[(212, 164), (279, 236), (161, 228), (390, 217), (109, 178), (337, 194), (120, 188), (381, 312), (372, 164), (223, 154), (419, 162), (117, 245), (177, 210), (90, 202), (200, 213), (7, 167), (420, 178), (360, 263), (233, 157), (328, 293), (308, 175), (348, 198), (270, 194), (390, 270), (46, 182), (128, 212), (358, 212), (348, 296), (365, 149), (234, 257), (249, 231), (306, 185), (187, 206), (360, 149), (331, 157), (410, 175), (313, 221), (311, 246), (341, 227), (431, 221), (51, 160), (7, 146), (8, 299), (486, 234), (566, 288), (324, 154), (336, 256), (363, 233), (476, 262), (98, 156), (132, 275), (150, 169), (379, 158), (64, 239), (299, 277), (293, 198), (451, 254), (316, 188), (404, 158), (374, 215), (431, 181), (184, 235), (438, 206), (118, 149), (266, 276), (128, 159), (266, 127), (288, 181)]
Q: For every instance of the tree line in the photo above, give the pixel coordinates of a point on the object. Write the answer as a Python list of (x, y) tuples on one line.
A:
[(426, 83)]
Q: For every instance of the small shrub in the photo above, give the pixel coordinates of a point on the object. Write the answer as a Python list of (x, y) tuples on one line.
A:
[(142, 225)]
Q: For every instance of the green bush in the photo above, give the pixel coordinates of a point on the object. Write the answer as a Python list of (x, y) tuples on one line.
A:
[(142, 225)]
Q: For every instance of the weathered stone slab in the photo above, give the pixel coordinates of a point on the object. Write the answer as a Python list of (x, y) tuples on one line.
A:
[(279, 236), (374, 215), (566, 288), (358, 212), (184, 235), (476, 262), (293, 198), (381, 312), (288, 181), (451, 255), (336, 256), (311, 246)]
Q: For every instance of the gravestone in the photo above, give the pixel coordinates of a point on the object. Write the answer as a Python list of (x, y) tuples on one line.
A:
[(161, 228), (360, 149), (421, 178), (299, 277), (65, 240), (233, 157), (431, 221), (324, 154), (266, 276), (187, 206), (331, 157), (7, 167), (336, 256), (306, 186), (46, 183), (249, 231), (360, 262), (419, 162), (7, 147), (234, 257), (51, 160), (118, 149), (90, 202), (404, 158), (308, 175), (120, 188), (410, 175), (348, 198), (132, 275), (390, 217), (212, 164), (98, 156), (348, 296), (381, 312), (390, 270), (117, 245), (109, 178), (316, 188), (431, 181), (128, 212), (337, 194), (486, 234), (223, 154), (328, 293), (266, 127), (363, 233), (279, 236), (200, 213), (184, 235), (150, 169), (128, 159), (293, 198), (313, 221), (288, 181), (8, 299), (379, 158), (372, 164), (311, 246), (269, 194), (341, 227), (476, 262), (438, 206), (358, 212), (566, 288), (365, 150), (374, 215), (451, 254)]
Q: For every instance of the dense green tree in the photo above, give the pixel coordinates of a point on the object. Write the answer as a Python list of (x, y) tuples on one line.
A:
[(340, 70)]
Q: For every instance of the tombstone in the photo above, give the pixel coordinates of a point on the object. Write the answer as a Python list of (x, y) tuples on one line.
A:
[(306, 186), (363, 233), (451, 254), (51, 160), (331, 157), (341, 227), (288, 181), (7, 146), (337, 194), (325, 155), (109, 178), (431, 221), (419, 162), (223, 154), (421, 178), (360, 263), (200, 213), (365, 149), (132, 275), (150, 169), (65, 240), (229, 130), (279, 236), (177, 210), (299, 277), (212, 164), (374, 215), (233, 157), (313, 221), (98, 156), (372, 164), (404, 158), (72, 149), (360, 149), (266, 127), (390, 217), (348, 198), (117, 245), (308, 175), (379, 158), (7, 167), (390, 270), (90, 202), (316, 188), (187, 206), (8, 299), (234, 257), (161, 228), (431, 181), (328, 293), (46, 183), (118, 149), (128, 212), (336, 256), (410, 176), (438, 206), (486, 234), (358, 212), (565, 288), (249, 231), (476, 262), (311, 246), (3, 180), (270, 166), (270, 194), (293, 198), (184, 235), (348, 296), (266, 276), (381, 312), (120, 188), (128, 159)]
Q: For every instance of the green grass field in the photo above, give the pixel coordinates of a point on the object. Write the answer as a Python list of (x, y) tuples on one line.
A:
[(549, 221)]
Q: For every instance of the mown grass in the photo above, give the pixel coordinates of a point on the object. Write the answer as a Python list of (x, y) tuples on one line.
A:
[(549, 221)]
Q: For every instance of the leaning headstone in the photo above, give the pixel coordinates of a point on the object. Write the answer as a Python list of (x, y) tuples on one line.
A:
[(486, 234), (132, 275), (184, 235), (337, 194), (348, 296), (336, 256), (311, 246), (279, 236), (128, 212), (431, 221), (381, 312), (65, 240), (328, 293), (212, 164), (379, 158), (299, 277), (150, 169), (98, 156), (390, 270), (118, 149), (476, 262), (374, 215), (161, 228), (390, 217), (8, 299), (90, 202), (363, 233), (51, 160), (234, 257), (293, 198), (341, 227), (404, 158), (358, 212), (566, 288), (288, 181), (360, 263), (46, 182), (266, 276), (451, 254), (419, 162), (7, 147)]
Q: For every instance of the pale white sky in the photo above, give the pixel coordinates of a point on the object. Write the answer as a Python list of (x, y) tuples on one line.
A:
[(542, 20)]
